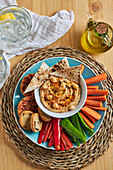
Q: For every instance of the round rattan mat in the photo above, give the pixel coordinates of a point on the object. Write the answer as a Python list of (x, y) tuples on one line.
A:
[(74, 158)]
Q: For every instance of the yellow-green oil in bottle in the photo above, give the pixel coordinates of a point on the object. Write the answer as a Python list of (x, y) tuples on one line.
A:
[(97, 38)]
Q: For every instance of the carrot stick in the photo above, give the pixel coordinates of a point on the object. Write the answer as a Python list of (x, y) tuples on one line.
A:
[(99, 92), (48, 131), (100, 98), (93, 87), (82, 69), (90, 118), (98, 108), (91, 112), (87, 120), (96, 79), (93, 103)]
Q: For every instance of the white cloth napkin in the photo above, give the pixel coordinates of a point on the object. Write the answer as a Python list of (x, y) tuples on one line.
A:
[(45, 30)]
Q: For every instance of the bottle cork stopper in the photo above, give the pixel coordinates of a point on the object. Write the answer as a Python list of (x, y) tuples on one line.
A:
[(101, 28)]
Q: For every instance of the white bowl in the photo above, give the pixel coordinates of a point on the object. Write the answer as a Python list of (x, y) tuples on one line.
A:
[(65, 114)]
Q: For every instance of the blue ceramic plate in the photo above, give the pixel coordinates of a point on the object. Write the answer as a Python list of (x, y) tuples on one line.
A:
[(18, 95)]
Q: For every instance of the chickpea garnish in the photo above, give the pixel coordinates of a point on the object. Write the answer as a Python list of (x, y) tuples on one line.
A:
[(44, 86), (53, 79), (49, 97), (75, 86), (72, 107), (55, 105), (62, 85)]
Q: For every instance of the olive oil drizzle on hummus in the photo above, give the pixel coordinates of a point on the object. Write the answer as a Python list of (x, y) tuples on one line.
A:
[(59, 95)]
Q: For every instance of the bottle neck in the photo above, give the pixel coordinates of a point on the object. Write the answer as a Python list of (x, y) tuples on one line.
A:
[(101, 29)]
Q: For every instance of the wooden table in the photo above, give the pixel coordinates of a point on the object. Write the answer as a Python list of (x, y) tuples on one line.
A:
[(101, 10)]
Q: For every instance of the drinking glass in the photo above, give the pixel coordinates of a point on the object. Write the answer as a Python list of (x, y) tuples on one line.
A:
[(2, 68), (15, 25)]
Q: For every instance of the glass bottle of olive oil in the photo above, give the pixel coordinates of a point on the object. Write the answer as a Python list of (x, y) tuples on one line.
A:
[(98, 37)]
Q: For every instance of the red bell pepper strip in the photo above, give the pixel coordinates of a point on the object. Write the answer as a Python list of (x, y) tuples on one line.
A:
[(51, 141), (61, 128), (61, 146), (51, 132), (47, 131), (56, 130), (65, 140), (41, 134), (46, 128), (57, 147)]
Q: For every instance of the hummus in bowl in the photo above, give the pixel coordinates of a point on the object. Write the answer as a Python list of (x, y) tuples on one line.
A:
[(59, 95), (60, 98)]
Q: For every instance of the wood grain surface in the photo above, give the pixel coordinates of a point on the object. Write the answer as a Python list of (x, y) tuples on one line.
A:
[(101, 10)]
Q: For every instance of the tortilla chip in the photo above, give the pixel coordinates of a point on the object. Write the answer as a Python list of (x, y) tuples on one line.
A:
[(39, 79), (33, 83), (72, 74)]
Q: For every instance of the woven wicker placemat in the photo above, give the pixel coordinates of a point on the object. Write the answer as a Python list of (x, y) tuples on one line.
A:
[(74, 158)]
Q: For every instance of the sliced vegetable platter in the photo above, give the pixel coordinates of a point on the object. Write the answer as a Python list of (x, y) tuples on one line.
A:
[(87, 73)]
